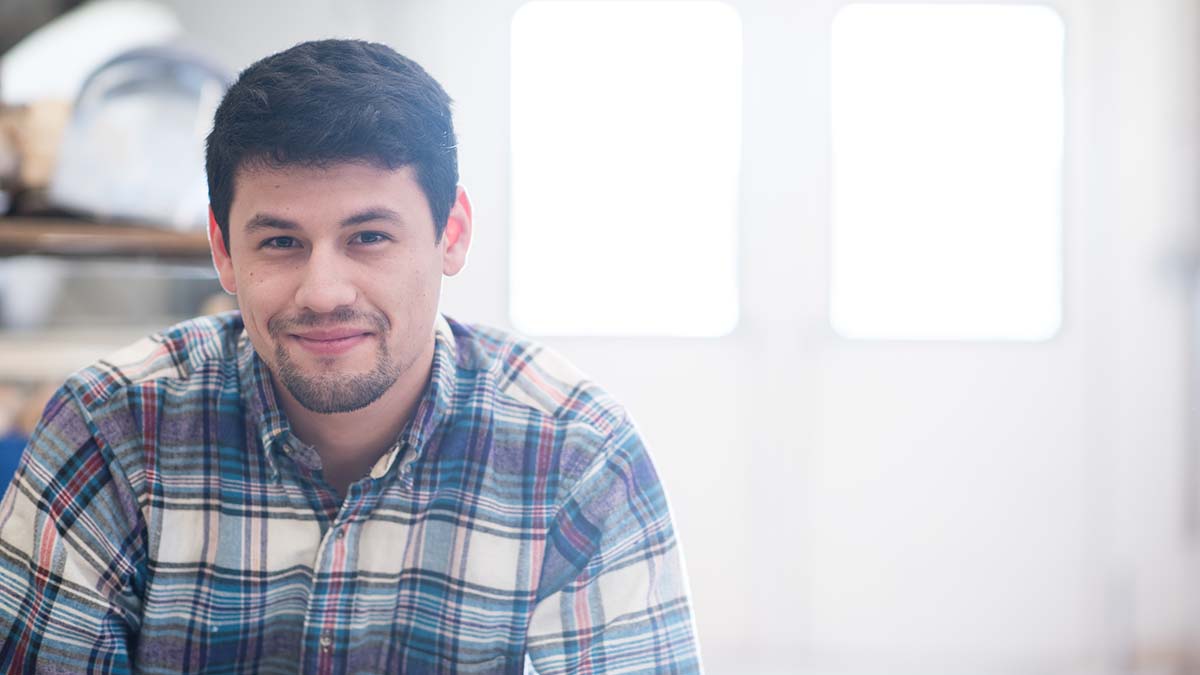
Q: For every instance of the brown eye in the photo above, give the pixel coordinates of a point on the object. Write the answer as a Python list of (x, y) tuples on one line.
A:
[(370, 237), (280, 242)]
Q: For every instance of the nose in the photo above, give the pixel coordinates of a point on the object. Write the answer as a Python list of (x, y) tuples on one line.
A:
[(326, 283)]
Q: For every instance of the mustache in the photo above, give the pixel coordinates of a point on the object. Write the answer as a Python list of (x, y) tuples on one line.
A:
[(338, 317)]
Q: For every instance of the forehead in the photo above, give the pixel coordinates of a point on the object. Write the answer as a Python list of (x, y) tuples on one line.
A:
[(314, 194)]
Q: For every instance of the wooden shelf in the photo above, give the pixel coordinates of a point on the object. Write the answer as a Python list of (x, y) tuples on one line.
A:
[(65, 237)]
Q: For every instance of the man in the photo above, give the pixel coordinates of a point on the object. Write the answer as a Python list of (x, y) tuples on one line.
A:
[(338, 479)]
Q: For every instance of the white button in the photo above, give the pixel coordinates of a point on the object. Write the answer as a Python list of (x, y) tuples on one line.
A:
[(341, 533), (326, 641)]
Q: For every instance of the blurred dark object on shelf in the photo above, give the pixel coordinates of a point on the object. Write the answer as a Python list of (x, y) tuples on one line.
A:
[(35, 202), (8, 174)]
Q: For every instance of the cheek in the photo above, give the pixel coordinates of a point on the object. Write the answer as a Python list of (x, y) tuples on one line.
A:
[(261, 296), (264, 286), (411, 299)]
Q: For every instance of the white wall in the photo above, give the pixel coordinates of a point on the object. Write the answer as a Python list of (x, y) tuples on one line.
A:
[(883, 507)]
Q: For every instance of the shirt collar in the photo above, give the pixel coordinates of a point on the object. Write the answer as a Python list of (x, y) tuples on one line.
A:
[(436, 404)]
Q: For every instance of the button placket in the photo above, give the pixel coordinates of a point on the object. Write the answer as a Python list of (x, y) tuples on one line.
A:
[(406, 470), (330, 559)]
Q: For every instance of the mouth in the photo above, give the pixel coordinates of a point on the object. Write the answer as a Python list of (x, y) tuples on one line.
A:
[(330, 341)]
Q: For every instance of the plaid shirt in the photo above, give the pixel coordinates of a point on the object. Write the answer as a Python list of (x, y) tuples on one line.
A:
[(165, 520)]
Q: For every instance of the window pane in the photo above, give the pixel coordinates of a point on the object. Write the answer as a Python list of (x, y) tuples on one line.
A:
[(625, 141), (947, 146)]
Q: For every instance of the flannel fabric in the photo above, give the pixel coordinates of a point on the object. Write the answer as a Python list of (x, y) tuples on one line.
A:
[(165, 520)]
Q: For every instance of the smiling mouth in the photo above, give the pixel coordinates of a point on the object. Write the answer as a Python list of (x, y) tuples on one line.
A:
[(330, 342)]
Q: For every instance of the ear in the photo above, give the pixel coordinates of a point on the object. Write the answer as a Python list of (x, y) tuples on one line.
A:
[(456, 239), (220, 255)]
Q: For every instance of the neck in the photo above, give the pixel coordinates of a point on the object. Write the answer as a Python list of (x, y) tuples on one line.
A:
[(350, 443)]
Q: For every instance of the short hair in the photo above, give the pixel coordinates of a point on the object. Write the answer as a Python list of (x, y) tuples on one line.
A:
[(330, 101)]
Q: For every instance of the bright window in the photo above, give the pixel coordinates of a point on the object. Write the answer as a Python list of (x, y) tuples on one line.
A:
[(625, 147), (947, 146)]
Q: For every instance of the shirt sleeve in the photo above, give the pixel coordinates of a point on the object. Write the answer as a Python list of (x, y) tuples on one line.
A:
[(613, 593), (71, 561)]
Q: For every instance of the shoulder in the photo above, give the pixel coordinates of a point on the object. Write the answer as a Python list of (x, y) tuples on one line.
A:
[(528, 374), (545, 409), (187, 353), (107, 414)]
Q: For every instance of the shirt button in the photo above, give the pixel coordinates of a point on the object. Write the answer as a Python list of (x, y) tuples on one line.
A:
[(341, 533), (326, 642)]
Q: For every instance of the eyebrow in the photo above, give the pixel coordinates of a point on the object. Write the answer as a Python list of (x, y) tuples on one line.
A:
[(266, 221)]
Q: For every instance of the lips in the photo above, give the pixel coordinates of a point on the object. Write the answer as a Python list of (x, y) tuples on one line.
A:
[(331, 341)]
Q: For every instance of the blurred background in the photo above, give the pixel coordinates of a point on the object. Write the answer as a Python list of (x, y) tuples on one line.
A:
[(903, 296)]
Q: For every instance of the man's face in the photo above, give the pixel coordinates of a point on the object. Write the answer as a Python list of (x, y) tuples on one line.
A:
[(337, 275)]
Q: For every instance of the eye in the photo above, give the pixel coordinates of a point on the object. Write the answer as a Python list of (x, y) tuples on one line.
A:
[(280, 243), (370, 238)]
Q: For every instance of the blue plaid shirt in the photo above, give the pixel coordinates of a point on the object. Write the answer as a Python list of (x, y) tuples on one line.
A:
[(165, 520)]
